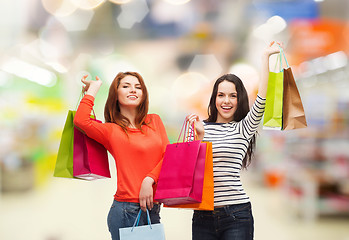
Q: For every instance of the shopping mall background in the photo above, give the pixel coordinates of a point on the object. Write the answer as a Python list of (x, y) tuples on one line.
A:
[(299, 180)]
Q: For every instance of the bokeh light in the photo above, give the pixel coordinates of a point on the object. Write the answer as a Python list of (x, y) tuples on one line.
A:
[(188, 84), (207, 65), (87, 4), (177, 2), (77, 21), (59, 8), (132, 12), (120, 1)]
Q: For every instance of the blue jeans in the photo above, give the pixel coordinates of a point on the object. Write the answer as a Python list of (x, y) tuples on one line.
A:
[(233, 222), (123, 214)]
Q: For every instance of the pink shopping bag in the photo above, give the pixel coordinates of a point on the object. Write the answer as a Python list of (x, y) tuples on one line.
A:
[(182, 173), (90, 158)]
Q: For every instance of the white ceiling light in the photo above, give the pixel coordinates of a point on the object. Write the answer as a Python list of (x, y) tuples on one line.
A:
[(30, 72)]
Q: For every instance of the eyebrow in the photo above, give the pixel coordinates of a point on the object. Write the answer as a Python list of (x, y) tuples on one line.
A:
[(228, 93), (130, 83)]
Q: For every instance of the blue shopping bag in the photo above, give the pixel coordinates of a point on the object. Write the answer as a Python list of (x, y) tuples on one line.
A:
[(146, 232)]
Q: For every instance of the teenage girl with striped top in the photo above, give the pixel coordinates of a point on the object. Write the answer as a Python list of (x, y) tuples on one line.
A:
[(231, 126)]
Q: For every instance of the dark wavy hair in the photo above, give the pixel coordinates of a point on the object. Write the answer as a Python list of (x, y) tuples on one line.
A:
[(242, 109), (112, 109)]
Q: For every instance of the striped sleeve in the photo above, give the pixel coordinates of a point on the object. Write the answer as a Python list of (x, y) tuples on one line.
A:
[(250, 123)]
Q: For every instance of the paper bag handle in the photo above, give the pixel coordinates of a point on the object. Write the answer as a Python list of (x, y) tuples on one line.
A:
[(136, 223)]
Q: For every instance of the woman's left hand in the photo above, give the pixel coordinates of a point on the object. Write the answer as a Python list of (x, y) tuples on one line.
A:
[(146, 194), (274, 47)]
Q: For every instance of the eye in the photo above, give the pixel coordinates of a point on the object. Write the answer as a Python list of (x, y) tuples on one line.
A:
[(139, 87), (220, 95), (125, 86)]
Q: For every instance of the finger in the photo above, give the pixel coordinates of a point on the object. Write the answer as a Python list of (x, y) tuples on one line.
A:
[(151, 199), (188, 116), (84, 77), (271, 43), (149, 203), (194, 118), (191, 121), (142, 204), (97, 78)]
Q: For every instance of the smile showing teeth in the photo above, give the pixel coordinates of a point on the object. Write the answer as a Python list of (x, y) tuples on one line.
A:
[(227, 108), (132, 97)]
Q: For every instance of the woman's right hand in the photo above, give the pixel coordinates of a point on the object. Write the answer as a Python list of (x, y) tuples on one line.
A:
[(91, 87), (199, 127)]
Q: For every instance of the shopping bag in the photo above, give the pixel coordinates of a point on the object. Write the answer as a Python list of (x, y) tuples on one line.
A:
[(146, 232), (182, 173), (293, 115), (274, 99), (64, 162), (207, 202), (90, 161)]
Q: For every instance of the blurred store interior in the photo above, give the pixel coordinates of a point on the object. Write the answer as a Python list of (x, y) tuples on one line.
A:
[(299, 180)]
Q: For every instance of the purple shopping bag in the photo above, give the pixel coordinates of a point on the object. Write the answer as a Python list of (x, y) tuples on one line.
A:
[(90, 158), (182, 173)]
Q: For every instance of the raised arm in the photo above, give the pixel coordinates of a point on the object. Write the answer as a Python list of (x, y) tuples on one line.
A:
[(82, 120), (274, 47)]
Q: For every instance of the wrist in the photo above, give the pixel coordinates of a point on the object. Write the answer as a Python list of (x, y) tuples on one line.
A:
[(92, 91), (149, 180)]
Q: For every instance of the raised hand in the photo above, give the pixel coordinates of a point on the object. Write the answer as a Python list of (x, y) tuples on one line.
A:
[(91, 87), (274, 47)]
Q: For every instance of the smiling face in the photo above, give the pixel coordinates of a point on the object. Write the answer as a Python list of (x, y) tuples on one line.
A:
[(129, 92), (226, 102)]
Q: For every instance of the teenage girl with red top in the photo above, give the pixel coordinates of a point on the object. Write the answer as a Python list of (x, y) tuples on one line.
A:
[(137, 141)]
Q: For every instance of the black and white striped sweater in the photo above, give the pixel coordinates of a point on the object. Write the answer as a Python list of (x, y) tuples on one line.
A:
[(229, 147)]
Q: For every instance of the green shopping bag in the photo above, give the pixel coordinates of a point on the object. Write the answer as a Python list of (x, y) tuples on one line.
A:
[(274, 99), (64, 163)]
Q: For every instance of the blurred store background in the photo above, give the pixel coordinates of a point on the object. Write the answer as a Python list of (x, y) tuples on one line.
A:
[(299, 181)]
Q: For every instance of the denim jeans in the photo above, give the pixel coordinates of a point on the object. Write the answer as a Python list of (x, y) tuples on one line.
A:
[(123, 214), (233, 222)]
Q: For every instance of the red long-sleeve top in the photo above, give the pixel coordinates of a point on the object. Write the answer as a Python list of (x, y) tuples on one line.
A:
[(137, 155)]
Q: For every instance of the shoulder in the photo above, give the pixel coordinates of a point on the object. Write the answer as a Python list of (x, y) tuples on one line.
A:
[(153, 119)]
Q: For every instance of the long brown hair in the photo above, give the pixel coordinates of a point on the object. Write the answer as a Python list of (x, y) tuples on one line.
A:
[(242, 109), (112, 109)]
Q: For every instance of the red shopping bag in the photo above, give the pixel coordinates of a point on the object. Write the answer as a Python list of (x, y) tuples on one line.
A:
[(90, 158), (182, 172)]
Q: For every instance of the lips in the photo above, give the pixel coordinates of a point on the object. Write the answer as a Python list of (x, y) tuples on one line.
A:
[(132, 97), (226, 108)]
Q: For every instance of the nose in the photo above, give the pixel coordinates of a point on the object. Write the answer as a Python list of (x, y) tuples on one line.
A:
[(132, 89), (226, 99)]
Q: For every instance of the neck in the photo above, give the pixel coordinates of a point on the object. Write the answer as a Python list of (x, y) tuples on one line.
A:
[(222, 120), (130, 114)]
